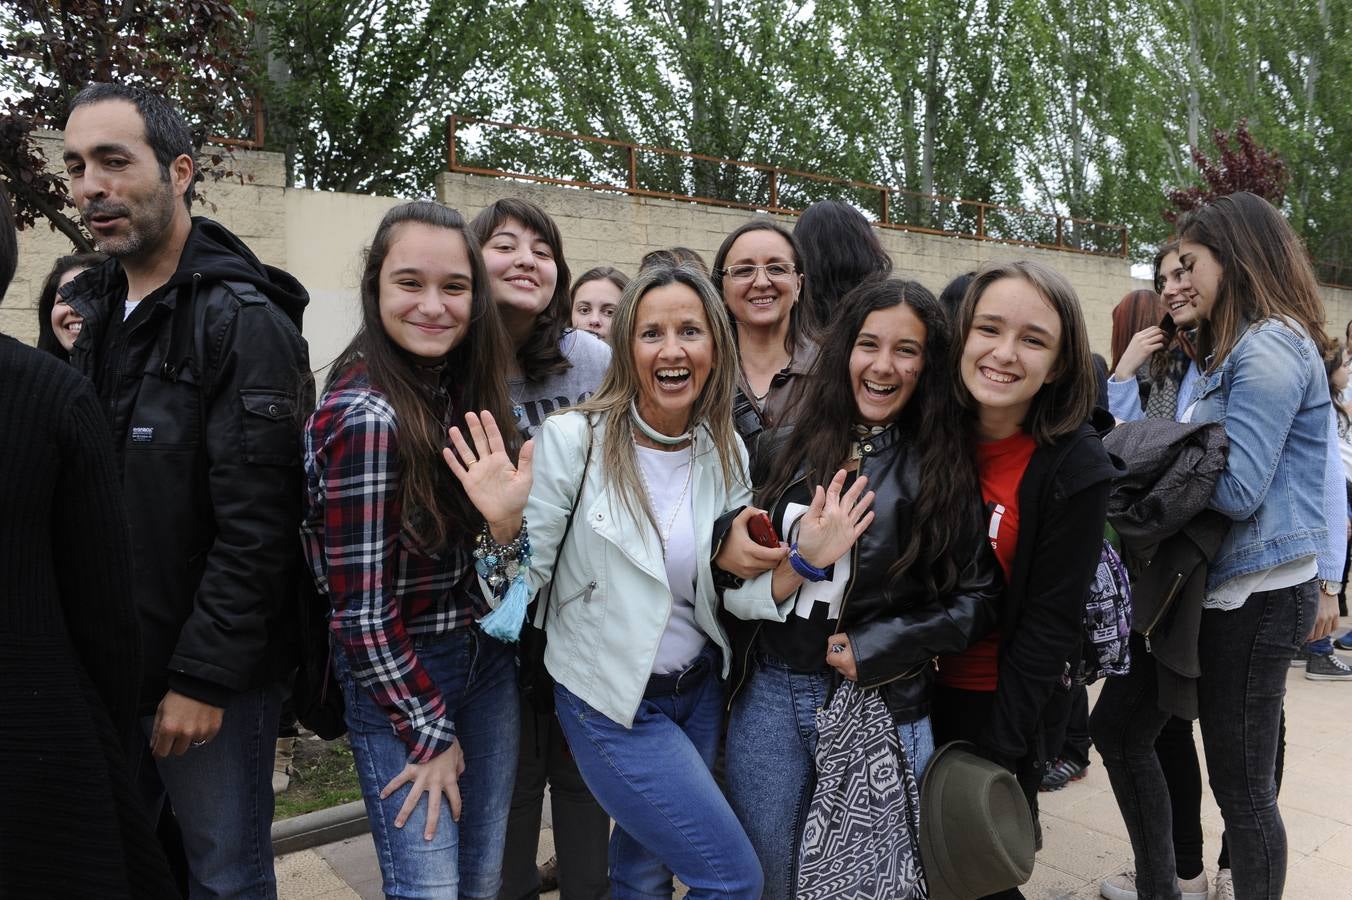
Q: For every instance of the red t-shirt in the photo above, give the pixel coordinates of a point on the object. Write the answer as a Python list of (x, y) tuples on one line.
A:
[(1000, 465)]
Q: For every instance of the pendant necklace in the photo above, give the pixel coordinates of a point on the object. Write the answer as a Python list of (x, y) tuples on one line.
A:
[(664, 535)]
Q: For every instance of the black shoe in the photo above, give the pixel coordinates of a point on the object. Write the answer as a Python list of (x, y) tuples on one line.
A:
[(1061, 773), (1327, 668), (1344, 642), (549, 875)]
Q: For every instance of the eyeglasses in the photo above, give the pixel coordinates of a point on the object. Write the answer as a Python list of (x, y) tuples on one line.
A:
[(773, 271)]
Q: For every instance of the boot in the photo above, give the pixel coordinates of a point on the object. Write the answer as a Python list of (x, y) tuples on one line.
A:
[(281, 765)]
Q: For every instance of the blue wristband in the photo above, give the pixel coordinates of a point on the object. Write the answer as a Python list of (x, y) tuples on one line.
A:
[(803, 567)]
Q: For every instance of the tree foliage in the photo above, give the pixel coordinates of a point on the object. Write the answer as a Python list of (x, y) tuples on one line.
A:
[(1240, 165), (194, 51), (1090, 109), (358, 89)]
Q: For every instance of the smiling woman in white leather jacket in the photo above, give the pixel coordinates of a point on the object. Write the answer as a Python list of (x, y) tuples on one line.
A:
[(634, 641)]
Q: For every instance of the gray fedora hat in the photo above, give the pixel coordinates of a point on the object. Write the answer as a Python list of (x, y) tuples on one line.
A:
[(976, 831)]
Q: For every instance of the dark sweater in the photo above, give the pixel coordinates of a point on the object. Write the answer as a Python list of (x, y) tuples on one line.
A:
[(70, 825), (1063, 503)]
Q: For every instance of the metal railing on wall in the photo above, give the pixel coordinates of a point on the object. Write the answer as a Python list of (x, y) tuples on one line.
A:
[(645, 171), (1333, 273)]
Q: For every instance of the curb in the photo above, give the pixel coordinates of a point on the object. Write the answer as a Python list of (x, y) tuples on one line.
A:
[(323, 826)]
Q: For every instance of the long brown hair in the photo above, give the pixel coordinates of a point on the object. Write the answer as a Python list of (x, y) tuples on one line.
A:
[(948, 485), (1064, 404), (1265, 273), (1333, 360), (620, 386), (433, 505), (539, 355), (1136, 311)]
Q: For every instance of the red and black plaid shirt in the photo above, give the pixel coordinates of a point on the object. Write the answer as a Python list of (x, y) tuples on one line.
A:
[(383, 589)]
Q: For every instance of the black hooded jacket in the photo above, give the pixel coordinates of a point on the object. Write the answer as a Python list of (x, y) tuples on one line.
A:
[(1063, 504), (205, 386)]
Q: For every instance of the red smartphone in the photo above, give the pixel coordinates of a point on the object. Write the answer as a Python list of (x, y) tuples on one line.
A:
[(762, 531)]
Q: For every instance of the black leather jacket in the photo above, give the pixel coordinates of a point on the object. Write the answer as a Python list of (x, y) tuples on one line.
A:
[(896, 628), (206, 411)]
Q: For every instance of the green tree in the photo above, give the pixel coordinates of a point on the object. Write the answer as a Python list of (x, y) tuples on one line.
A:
[(927, 94), (714, 78), (358, 90)]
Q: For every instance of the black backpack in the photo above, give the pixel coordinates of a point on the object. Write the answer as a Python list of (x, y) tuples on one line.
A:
[(315, 695)]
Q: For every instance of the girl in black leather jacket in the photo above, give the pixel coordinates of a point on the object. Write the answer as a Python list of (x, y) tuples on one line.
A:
[(919, 581)]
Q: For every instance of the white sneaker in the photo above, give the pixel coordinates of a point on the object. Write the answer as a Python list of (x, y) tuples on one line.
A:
[(1119, 887), (1225, 885), (1194, 888), (1123, 887)]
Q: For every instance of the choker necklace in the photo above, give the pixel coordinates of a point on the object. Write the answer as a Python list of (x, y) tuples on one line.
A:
[(652, 433)]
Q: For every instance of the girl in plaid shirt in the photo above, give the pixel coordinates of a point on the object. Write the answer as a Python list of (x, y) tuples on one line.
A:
[(431, 701)]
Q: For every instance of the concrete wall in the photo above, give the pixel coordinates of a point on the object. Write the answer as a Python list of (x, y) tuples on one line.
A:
[(319, 237)]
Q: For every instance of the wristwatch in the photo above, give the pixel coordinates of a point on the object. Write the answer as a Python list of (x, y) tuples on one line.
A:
[(1330, 587)]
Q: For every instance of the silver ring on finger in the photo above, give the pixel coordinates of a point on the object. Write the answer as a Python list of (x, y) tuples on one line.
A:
[(199, 743)]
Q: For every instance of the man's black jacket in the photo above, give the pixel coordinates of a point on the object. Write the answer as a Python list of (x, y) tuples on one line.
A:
[(206, 386)]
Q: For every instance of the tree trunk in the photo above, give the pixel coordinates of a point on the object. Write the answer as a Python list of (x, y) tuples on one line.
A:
[(933, 97), (1194, 75)]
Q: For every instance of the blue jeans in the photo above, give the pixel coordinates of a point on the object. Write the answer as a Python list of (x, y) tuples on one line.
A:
[(477, 679), (656, 781), (771, 763), (222, 798)]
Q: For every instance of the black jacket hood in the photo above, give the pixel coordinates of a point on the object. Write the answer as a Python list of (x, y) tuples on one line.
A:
[(216, 254)]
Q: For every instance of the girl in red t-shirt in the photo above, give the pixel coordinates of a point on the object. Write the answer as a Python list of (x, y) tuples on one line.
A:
[(1027, 382)]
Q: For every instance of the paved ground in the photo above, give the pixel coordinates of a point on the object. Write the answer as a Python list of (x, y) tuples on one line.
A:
[(1084, 836)]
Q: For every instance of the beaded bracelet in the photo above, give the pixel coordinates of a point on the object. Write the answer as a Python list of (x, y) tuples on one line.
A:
[(503, 567), (803, 567), (499, 564)]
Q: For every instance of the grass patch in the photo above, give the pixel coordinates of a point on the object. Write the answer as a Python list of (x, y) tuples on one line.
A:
[(325, 776)]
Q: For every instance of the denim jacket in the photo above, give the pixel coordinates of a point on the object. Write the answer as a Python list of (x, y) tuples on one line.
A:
[(1273, 398)]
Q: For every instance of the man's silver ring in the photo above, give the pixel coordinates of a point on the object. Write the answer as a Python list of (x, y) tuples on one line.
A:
[(837, 648), (199, 743)]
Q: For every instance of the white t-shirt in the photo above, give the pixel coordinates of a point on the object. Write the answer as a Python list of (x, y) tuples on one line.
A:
[(667, 476)]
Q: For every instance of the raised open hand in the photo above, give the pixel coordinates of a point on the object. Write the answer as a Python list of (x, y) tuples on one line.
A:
[(834, 521), (496, 487)]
